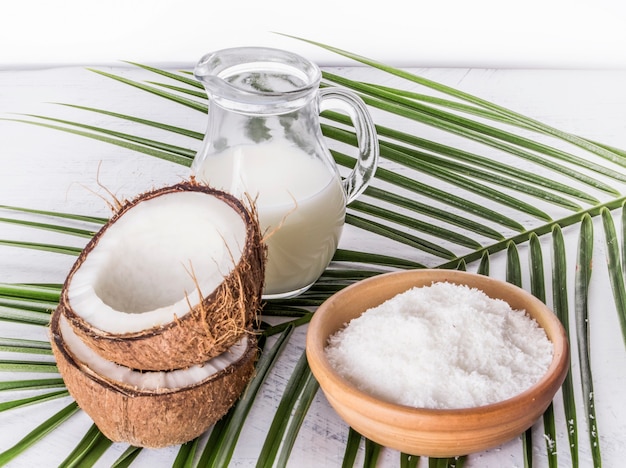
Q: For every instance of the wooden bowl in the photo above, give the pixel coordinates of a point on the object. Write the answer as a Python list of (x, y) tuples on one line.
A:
[(432, 432)]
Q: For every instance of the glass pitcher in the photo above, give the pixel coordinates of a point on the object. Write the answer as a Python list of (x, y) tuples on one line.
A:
[(264, 142)]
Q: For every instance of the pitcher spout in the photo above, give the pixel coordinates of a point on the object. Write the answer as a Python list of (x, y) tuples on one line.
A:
[(272, 81)]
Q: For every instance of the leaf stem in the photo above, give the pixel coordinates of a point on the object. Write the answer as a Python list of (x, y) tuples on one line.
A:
[(539, 231)]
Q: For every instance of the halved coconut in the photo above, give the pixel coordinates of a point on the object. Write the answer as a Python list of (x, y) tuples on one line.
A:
[(173, 279), (151, 409)]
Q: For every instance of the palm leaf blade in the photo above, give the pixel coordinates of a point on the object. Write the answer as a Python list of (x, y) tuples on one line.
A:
[(55, 214), (7, 405), (88, 450), (427, 210), (19, 345), (372, 452), (175, 76), (443, 168), (54, 248), (443, 197), (11, 365), (12, 303), (156, 145), (538, 289), (37, 433), (186, 453), (31, 291), (583, 279), (307, 394), (490, 136), (138, 120), (485, 162), (561, 308), (581, 142), (32, 384), (275, 435), (395, 234), (344, 255), (127, 458), (221, 444), (616, 276), (50, 227), (180, 89), (141, 148), (415, 224), (151, 89), (352, 448), (24, 316)]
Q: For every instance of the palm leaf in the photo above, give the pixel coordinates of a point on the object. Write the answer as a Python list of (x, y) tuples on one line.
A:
[(521, 119), (616, 272), (514, 276), (18, 315), (352, 448), (448, 206), (32, 400), (372, 452), (221, 444), (126, 458), (35, 384), (88, 450), (538, 289), (583, 279), (561, 308), (489, 135), (40, 431)]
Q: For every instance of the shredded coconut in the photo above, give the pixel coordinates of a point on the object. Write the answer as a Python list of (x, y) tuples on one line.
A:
[(441, 346)]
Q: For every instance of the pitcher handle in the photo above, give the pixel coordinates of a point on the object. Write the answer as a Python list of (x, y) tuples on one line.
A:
[(358, 180)]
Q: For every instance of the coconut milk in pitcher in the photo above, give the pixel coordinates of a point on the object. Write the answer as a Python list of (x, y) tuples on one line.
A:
[(264, 143)]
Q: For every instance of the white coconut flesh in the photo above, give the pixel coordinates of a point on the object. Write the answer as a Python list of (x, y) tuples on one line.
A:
[(153, 381), (145, 271)]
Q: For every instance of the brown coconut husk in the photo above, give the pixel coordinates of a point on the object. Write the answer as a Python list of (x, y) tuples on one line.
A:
[(211, 327), (157, 418)]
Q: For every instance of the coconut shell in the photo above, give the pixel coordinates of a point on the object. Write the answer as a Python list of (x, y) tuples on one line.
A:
[(152, 419), (211, 327)]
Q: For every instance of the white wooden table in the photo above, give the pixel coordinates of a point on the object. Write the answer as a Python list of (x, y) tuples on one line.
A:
[(50, 170)]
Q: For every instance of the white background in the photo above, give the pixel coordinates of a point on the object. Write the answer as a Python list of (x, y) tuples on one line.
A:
[(455, 33)]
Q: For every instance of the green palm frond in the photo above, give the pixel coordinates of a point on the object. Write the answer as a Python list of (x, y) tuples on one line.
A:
[(583, 280), (40, 431), (449, 205)]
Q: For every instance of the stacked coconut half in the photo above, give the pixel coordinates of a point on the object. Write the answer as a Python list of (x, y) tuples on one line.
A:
[(154, 331)]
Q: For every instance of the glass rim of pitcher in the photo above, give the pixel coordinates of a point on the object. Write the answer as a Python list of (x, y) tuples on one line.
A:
[(214, 68)]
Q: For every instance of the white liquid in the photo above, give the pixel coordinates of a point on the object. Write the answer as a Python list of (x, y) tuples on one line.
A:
[(301, 207)]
